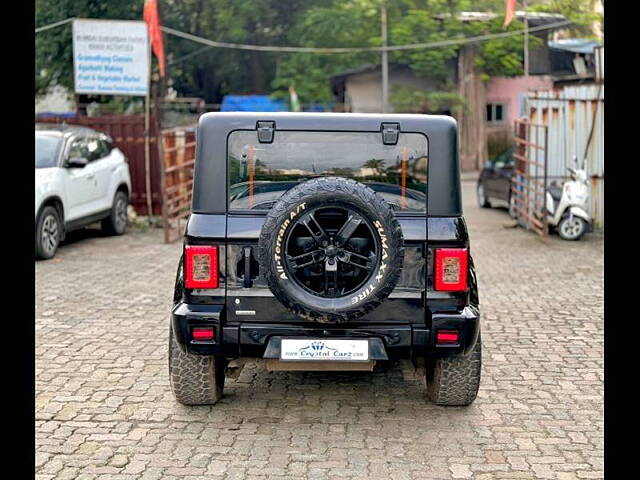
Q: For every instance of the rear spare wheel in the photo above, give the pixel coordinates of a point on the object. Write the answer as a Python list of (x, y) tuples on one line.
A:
[(331, 249)]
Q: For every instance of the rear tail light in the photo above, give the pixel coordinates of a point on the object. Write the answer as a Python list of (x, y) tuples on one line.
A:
[(451, 269), (447, 337), (203, 334), (201, 267)]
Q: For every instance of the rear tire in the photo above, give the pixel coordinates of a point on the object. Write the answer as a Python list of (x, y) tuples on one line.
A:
[(483, 201), (48, 233), (455, 380), (116, 222), (195, 379)]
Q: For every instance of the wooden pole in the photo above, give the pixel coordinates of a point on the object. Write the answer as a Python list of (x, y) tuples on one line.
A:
[(526, 39), (147, 160)]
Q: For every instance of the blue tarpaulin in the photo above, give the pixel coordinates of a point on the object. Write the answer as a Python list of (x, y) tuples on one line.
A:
[(575, 45), (56, 114), (252, 103)]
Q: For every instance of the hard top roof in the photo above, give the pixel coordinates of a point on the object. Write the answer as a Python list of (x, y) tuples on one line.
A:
[(214, 128)]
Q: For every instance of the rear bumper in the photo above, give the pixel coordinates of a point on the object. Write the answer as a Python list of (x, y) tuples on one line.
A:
[(251, 339)]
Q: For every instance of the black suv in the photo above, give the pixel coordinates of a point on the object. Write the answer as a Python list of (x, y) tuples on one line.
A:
[(326, 242)]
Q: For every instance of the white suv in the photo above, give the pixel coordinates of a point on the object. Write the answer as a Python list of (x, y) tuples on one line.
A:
[(80, 179)]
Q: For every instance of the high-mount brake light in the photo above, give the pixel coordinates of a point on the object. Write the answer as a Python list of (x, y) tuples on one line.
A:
[(451, 269), (201, 266)]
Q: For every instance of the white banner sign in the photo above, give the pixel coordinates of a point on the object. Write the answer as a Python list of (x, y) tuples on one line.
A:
[(110, 57)]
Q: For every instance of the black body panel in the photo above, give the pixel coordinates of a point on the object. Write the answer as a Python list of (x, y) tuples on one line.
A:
[(404, 322), (243, 227), (251, 339), (210, 176), (243, 311)]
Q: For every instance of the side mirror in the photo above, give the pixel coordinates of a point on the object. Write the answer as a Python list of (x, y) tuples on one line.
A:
[(77, 162)]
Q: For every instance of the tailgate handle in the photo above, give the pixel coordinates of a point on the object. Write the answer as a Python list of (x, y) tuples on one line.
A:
[(247, 267)]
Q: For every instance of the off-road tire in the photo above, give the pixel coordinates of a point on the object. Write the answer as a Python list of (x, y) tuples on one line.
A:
[(455, 380), (42, 252), (195, 379), (331, 191), (114, 223)]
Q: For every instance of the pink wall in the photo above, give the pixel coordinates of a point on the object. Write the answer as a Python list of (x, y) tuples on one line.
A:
[(508, 92)]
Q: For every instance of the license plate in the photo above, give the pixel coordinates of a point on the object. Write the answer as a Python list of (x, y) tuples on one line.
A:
[(330, 350)]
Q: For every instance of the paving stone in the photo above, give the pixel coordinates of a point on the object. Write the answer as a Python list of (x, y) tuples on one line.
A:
[(104, 408)]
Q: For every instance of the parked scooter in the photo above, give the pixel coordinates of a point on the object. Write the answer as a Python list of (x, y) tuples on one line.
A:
[(567, 205)]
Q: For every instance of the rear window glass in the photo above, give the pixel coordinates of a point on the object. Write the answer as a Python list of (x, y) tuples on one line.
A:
[(260, 173)]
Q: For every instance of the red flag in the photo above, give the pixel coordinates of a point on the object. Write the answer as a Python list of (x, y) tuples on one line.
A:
[(510, 11), (152, 19)]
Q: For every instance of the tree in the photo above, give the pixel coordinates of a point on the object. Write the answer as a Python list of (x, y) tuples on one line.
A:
[(210, 73), (581, 12), (357, 23)]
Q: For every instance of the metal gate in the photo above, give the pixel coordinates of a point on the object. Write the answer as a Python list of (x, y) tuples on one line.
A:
[(529, 184), (179, 154)]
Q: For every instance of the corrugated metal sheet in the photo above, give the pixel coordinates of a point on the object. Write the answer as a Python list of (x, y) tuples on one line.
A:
[(570, 114)]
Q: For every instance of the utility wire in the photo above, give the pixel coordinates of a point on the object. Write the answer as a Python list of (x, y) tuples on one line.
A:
[(330, 50), (54, 25), (189, 55)]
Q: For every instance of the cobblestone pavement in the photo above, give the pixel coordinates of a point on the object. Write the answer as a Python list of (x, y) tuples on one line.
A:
[(104, 408)]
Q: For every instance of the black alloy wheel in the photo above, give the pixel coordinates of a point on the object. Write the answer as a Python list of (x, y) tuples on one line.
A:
[(331, 252)]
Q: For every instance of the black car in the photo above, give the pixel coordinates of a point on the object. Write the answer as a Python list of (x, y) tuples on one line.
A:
[(494, 183), (315, 244)]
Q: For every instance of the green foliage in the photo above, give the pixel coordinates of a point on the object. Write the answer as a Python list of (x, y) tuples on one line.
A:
[(343, 24), (420, 26), (119, 105), (580, 12), (413, 100), (502, 57), (215, 72), (357, 23)]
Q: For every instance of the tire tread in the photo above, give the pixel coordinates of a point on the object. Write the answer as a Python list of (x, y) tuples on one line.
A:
[(455, 380), (195, 379), (330, 185)]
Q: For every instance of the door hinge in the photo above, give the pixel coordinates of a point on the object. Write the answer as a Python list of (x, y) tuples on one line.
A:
[(390, 133), (265, 130)]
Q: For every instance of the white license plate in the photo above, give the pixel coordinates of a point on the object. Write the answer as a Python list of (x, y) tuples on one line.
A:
[(330, 350)]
